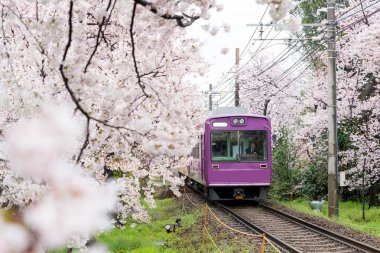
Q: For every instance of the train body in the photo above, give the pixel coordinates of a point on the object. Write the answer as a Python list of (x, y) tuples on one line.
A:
[(232, 159)]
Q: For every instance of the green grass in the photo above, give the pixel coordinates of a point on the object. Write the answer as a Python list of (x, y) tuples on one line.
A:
[(350, 214), (152, 237)]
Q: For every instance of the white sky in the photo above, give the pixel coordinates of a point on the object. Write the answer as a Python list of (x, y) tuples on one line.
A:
[(236, 13)]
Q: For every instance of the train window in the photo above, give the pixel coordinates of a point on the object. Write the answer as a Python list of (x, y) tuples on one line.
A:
[(224, 145), (249, 146), (253, 145)]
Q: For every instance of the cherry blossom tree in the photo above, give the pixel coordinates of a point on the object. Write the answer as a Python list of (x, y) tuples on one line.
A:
[(305, 107), (118, 66), (92, 91), (361, 65), (268, 88), (278, 8), (357, 78)]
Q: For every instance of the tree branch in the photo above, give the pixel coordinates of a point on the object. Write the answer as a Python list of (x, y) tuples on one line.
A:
[(183, 20), (3, 160), (142, 86), (85, 143), (364, 14), (100, 33), (71, 92)]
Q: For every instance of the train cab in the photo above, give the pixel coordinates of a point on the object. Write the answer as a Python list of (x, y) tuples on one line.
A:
[(234, 160)]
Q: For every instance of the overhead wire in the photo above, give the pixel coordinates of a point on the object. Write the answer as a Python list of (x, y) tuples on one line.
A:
[(248, 45), (222, 100), (277, 79), (282, 57), (257, 50), (226, 99), (234, 74), (298, 62), (277, 61), (254, 32), (353, 7), (357, 21), (230, 97), (294, 67), (297, 65), (292, 81), (342, 18)]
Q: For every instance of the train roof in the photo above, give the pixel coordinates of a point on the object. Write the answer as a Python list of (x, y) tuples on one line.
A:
[(232, 111)]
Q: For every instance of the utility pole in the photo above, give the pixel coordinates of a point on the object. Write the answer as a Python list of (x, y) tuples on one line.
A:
[(333, 209), (237, 87), (210, 97)]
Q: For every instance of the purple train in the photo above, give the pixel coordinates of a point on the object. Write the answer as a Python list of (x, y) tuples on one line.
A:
[(233, 157)]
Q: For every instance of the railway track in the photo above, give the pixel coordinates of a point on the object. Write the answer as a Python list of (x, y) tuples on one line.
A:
[(292, 234), (239, 231), (288, 232)]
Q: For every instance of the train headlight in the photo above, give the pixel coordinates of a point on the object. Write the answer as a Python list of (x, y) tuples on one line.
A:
[(238, 121)]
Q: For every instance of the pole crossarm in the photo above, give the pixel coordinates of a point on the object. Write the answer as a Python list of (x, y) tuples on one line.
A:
[(283, 24), (292, 39)]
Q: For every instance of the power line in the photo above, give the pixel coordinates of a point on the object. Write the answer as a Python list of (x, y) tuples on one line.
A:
[(294, 67), (315, 50), (341, 14), (292, 81), (342, 18), (299, 61), (279, 60), (282, 54), (231, 96), (357, 21), (253, 34), (257, 50), (245, 48)]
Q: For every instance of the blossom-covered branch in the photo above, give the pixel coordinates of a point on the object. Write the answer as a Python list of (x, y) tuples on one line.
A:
[(183, 20)]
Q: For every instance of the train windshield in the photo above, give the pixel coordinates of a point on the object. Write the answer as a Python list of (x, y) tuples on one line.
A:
[(239, 146)]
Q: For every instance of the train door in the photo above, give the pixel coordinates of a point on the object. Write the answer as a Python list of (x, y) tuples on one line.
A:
[(202, 147)]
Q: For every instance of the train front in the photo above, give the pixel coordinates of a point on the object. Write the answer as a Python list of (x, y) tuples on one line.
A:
[(237, 157)]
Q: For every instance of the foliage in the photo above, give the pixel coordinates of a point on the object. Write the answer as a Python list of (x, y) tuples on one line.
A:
[(285, 175), (300, 103), (118, 69), (265, 90), (188, 238), (357, 95), (314, 180), (150, 237), (308, 11), (345, 130), (278, 9)]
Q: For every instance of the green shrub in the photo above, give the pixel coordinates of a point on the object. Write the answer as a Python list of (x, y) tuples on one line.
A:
[(314, 180), (284, 174)]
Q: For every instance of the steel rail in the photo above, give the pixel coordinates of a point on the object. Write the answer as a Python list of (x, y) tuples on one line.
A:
[(281, 244), (337, 237)]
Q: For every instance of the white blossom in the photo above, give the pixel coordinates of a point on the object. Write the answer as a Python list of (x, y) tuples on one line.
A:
[(13, 237)]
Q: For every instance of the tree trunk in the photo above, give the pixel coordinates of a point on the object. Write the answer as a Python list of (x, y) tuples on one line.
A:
[(374, 192), (266, 107)]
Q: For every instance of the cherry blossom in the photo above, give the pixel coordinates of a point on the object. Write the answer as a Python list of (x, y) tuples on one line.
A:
[(95, 91)]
